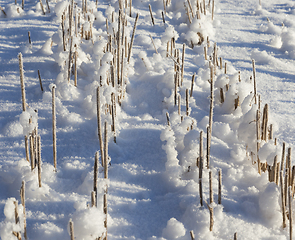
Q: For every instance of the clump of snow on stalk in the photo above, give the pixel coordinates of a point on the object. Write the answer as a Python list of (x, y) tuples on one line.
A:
[(8, 225), (29, 121), (174, 229)]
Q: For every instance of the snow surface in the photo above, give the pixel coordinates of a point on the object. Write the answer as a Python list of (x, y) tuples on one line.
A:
[(153, 185)]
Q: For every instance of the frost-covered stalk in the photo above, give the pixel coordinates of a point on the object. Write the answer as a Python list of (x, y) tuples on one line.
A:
[(32, 152), (22, 83), (210, 188), (179, 105), (106, 150), (192, 235), (221, 95), (286, 187), (211, 218), (54, 127), (201, 167), (187, 102), (76, 69), (63, 32), (264, 123), (254, 78), (153, 44), (16, 215), (164, 5), (213, 10), (72, 229), (29, 36), (290, 212), (258, 139), (130, 6), (273, 177), (99, 126), (22, 197), (39, 160), (283, 198), (42, 7), (105, 211), (119, 47), (40, 80), (151, 13), (27, 148), (192, 85), (70, 59), (93, 198), (113, 116), (190, 7), (289, 166), (95, 171), (132, 38), (208, 148), (204, 4), (219, 186), (270, 135), (168, 119), (182, 64), (211, 108)]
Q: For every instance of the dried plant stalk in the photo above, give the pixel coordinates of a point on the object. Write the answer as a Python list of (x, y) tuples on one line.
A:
[(208, 148), (16, 215), (100, 138), (258, 138), (175, 88), (39, 160), (76, 69), (211, 106), (274, 169), (190, 7), (210, 187), (219, 186), (40, 80), (72, 230), (32, 152), (192, 85), (27, 148), (192, 235), (130, 6), (289, 167), (264, 123), (179, 105), (221, 95), (3, 10), (235, 236), (290, 213), (254, 78), (22, 197), (42, 7), (163, 18), (54, 127), (168, 119), (152, 17), (95, 171), (213, 10), (187, 102), (182, 64), (106, 150), (119, 47), (105, 210), (132, 38), (29, 36), (201, 158), (93, 198), (22, 83), (153, 44)]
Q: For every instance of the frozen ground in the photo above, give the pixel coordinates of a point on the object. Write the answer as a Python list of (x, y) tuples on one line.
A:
[(153, 186)]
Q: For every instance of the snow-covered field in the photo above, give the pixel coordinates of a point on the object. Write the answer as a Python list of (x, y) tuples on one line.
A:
[(155, 101)]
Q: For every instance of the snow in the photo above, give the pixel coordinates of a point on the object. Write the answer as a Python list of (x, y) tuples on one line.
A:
[(153, 181)]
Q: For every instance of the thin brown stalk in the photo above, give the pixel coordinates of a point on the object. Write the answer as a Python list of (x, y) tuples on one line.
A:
[(132, 38), (153, 44), (54, 127), (76, 69), (106, 150), (40, 80), (22, 197), (192, 85), (192, 235), (72, 230), (21, 72), (201, 159), (151, 13), (95, 171), (39, 160), (282, 198), (182, 64), (187, 102), (219, 186), (210, 188), (99, 128), (27, 148), (290, 213), (258, 138), (42, 7)]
